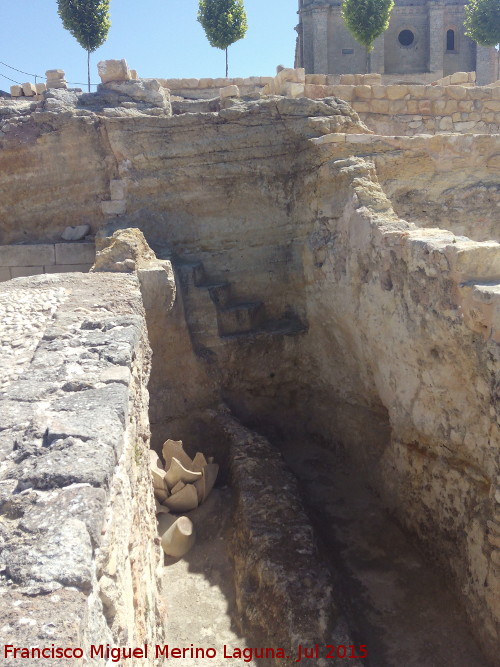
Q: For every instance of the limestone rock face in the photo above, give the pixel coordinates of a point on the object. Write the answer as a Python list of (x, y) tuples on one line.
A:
[(78, 128), (141, 90), (77, 537), (122, 252)]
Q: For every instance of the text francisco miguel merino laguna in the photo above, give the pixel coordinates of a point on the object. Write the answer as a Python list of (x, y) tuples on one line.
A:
[(115, 654)]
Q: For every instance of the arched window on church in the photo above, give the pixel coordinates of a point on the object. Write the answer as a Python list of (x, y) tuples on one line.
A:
[(450, 40)]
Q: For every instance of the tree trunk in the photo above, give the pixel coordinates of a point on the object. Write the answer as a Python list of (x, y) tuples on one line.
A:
[(227, 69), (368, 61), (88, 68)]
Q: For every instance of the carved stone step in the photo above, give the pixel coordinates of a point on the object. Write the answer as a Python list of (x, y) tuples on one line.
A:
[(219, 293), (240, 318), (286, 326), (191, 273)]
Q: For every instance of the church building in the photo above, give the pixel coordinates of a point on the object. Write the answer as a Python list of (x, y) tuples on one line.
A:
[(424, 36)]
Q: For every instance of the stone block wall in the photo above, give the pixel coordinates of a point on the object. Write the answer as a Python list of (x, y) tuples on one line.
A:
[(387, 106), (208, 88), (80, 562), (414, 109), (457, 79), (18, 261)]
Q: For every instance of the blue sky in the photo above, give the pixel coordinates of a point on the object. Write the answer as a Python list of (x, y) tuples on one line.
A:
[(157, 38)]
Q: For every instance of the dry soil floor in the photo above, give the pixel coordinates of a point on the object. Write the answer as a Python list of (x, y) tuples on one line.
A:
[(200, 590), (395, 602)]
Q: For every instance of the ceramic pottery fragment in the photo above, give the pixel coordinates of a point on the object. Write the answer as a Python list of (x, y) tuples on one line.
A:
[(161, 509), (178, 473), (179, 538), (199, 462), (184, 500), (199, 485), (173, 448), (210, 473), (178, 487)]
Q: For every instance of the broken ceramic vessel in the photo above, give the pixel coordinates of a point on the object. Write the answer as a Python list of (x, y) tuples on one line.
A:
[(179, 538), (184, 483), (184, 500)]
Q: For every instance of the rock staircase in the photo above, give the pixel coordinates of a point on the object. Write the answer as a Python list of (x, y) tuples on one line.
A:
[(214, 316)]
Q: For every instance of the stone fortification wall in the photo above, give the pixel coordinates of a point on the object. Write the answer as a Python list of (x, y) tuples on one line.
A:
[(29, 260), (452, 104), (197, 89), (412, 109), (77, 531), (209, 88)]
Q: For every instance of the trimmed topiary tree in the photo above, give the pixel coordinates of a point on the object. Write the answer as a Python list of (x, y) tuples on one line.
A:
[(224, 22), (88, 21), (366, 20), (482, 21)]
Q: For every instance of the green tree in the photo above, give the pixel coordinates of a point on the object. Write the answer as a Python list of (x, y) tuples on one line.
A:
[(88, 21), (482, 21), (366, 20), (224, 22)]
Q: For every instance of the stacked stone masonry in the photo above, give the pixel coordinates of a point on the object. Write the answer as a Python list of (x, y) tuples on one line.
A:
[(412, 109), (28, 260), (452, 104)]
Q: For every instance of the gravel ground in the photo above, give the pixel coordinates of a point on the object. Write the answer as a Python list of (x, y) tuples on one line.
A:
[(24, 315)]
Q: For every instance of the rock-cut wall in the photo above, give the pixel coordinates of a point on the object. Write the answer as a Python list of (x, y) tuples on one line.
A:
[(78, 554)]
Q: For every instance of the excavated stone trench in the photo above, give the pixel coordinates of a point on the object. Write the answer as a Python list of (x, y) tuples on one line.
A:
[(396, 604), (324, 321), (387, 598)]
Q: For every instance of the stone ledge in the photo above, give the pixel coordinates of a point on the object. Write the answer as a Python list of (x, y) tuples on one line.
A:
[(28, 260), (27, 255), (75, 253), (274, 548)]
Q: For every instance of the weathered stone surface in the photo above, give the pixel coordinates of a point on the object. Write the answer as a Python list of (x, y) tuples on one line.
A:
[(148, 91), (75, 233), (55, 79), (75, 436), (113, 207), (229, 91), (75, 253), (273, 548), (27, 255), (113, 70), (29, 89), (125, 245)]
